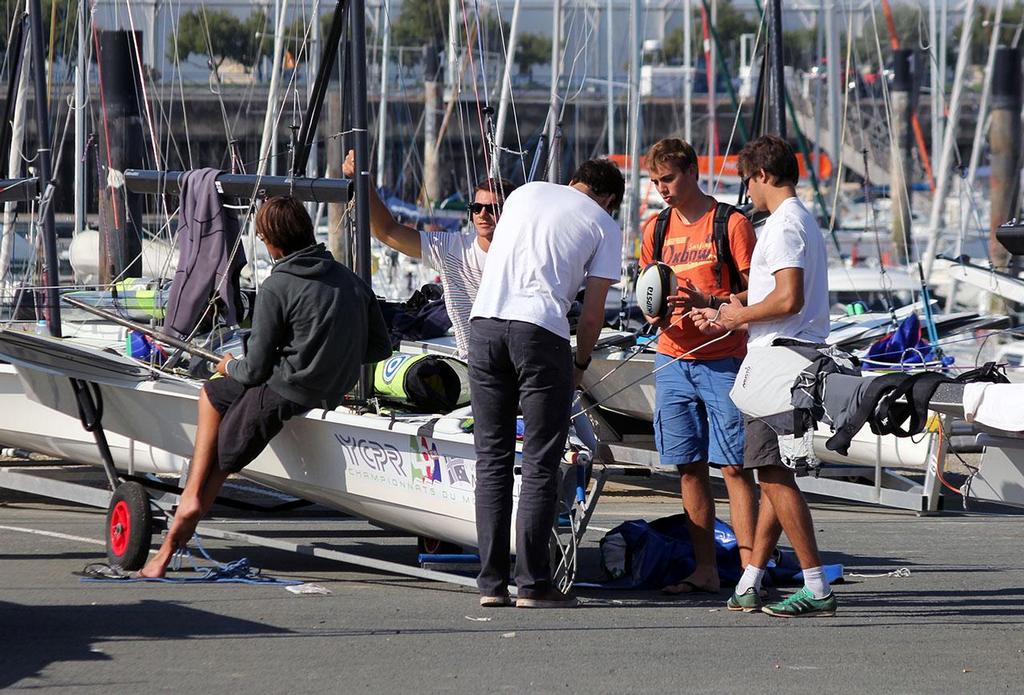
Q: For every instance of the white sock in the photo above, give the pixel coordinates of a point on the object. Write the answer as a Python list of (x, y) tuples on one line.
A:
[(751, 579), (814, 580)]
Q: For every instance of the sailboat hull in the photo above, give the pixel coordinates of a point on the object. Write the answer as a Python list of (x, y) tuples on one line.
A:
[(415, 473), (627, 388), (25, 424)]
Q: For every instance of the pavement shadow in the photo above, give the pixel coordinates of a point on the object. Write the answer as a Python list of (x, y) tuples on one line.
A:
[(33, 637), (946, 607)]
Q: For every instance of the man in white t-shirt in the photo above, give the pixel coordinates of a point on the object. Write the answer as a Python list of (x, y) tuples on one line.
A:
[(551, 240), (787, 297), (458, 258)]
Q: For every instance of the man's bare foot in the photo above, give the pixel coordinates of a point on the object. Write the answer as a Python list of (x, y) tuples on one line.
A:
[(695, 584), (186, 518), (155, 568)]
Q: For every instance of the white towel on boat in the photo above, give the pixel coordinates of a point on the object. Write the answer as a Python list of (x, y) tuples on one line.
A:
[(995, 405)]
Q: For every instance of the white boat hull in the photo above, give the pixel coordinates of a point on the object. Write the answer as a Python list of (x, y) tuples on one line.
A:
[(25, 424), (630, 391), (397, 472)]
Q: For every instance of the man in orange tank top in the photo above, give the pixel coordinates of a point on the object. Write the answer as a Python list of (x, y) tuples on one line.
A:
[(695, 421)]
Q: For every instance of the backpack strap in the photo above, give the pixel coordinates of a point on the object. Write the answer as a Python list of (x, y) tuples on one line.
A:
[(723, 252), (660, 228)]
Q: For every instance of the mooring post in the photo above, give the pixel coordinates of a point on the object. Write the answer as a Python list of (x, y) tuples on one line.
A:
[(1004, 146), (432, 98), (900, 166), (121, 146)]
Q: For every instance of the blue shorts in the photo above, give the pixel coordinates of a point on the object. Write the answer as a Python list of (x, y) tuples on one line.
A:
[(694, 418)]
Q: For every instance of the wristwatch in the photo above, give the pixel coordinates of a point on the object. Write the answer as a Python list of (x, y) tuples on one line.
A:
[(582, 367)]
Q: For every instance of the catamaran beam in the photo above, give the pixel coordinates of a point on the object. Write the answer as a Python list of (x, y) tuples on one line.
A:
[(317, 190), (18, 190), (323, 78)]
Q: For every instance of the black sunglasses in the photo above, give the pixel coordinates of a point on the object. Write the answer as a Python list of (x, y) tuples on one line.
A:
[(477, 208)]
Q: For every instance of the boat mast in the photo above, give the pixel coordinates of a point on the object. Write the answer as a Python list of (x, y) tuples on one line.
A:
[(942, 176), (506, 90), (688, 71), (776, 73), (313, 67), (362, 148), (833, 82), (15, 152), (937, 80), (80, 175), (986, 94), (709, 69), (43, 154), (554, 105), (268, 158), (632, 226), (382, 115), (610, 63)]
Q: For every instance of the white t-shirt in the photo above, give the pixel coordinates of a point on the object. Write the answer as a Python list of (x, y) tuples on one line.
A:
[(549, 239), (460, 261), (790, 238)]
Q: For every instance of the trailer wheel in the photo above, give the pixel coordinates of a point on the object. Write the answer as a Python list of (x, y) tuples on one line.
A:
[(129, 526), (435, 546)]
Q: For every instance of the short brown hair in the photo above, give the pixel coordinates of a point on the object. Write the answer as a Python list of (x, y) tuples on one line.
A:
[(284, 222), (674, 152), (773, 155), (603, 178), (499, 187)]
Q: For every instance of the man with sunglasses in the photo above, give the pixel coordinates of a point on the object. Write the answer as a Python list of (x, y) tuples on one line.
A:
[(458, 257)]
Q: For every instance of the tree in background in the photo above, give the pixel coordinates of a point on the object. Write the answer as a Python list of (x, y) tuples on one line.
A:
[(11, 12), (532, 49), (981, 33), (220, 35), (421, 23), (730, 25)]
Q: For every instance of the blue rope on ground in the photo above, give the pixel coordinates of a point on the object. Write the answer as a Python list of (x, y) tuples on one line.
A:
[(236, 572)]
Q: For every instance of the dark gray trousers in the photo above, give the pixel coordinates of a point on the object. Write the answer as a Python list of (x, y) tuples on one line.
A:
[(515, 365)]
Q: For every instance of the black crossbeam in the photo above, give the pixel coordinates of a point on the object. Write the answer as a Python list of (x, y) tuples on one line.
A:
[(317, 190)]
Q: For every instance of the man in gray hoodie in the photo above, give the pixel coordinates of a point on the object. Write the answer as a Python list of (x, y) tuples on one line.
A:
[(315, 323)]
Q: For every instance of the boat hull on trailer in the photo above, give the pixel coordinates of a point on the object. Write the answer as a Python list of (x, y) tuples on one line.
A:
[(627, 389), (415, 473), (25, 424)]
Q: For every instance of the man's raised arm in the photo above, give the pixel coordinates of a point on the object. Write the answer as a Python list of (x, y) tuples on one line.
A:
[(398, 236)]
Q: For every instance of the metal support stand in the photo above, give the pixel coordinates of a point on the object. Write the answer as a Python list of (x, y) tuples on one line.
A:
[(90, 412)]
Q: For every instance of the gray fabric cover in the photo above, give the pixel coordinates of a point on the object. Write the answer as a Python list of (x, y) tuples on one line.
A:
[(210, 259)]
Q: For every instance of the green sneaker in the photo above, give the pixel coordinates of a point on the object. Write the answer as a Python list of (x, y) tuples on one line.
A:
[(803, 604), (748, 601)]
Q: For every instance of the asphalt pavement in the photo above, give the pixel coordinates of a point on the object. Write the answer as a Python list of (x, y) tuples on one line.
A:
[(954, 624)]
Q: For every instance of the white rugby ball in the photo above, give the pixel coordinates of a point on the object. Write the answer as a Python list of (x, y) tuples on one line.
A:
[(655, 284)]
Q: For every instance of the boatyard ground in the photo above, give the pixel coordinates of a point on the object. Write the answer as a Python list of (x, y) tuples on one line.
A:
[(955, 624)]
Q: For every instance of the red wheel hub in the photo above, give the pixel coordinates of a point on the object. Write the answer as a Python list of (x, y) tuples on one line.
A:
[(120, 527)]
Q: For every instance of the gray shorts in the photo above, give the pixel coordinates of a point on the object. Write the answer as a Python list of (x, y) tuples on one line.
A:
[(761, 445)]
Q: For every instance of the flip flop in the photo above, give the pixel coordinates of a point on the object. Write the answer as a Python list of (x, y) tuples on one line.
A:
[(687, 587)]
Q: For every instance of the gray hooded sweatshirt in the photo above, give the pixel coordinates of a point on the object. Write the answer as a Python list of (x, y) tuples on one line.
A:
[(314, 324)]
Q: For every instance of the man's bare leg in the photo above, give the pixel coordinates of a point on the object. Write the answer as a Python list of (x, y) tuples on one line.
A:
[(793, 516), (193, 502), (767, 534), (743, 512), (695, 485)]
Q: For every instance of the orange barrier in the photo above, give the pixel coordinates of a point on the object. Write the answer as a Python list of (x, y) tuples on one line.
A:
[(729, 166)]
